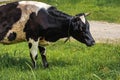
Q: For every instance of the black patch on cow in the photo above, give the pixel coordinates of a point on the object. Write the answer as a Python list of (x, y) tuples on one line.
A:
[(33, 30), (56, 13), (12, 36), (30, 45), (47, 26), (36, 57), (9, 15)]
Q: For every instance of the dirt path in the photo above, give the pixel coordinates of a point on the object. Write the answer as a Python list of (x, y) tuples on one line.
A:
[(105, 32)]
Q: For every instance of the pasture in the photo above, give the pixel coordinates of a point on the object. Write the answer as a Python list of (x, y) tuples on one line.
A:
[(70, 61)]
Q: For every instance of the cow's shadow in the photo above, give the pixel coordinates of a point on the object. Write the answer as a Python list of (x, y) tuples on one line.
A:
[(22, 63), (7, 61)]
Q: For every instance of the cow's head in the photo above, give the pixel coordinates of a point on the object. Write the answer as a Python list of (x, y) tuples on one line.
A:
[(80, 30)]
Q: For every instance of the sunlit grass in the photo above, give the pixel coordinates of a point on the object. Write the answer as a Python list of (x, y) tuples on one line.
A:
[(70, 61)]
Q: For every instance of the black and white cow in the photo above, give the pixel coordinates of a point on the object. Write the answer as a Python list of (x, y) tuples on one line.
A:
[(39, 23)]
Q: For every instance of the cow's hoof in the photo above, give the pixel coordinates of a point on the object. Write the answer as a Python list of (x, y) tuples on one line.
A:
[(34, 67), (46, 65)]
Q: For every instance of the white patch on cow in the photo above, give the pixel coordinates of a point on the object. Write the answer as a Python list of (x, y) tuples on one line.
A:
[(34, 48), (18, 29), (39, 5), (83, 18), (27, 7)]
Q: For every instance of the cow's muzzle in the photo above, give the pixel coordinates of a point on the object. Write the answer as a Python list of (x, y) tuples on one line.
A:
[(90, 43)]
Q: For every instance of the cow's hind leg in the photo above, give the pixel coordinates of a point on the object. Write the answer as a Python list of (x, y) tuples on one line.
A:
[(44, 60), (33, 46)]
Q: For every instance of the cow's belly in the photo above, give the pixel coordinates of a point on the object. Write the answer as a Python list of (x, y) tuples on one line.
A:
[(17, 35)]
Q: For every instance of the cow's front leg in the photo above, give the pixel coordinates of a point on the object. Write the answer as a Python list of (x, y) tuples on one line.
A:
[(33, 46), (44, 60)]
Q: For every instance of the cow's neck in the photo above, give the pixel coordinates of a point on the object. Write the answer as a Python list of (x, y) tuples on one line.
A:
[(60, 31), (59, 25), (67, 28), (66, 20)]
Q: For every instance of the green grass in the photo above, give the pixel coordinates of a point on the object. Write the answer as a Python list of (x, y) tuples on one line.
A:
[(70, 61), (102, 10)]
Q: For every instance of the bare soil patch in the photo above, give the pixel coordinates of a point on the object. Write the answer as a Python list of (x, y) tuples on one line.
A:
[(105, 32)]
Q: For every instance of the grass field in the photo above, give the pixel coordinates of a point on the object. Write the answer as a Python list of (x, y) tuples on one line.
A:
[(70, 61)]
